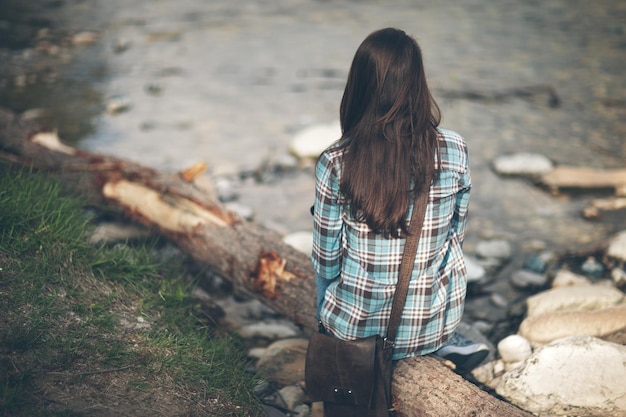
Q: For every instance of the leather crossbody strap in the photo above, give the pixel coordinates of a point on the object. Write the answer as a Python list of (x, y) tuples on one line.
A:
[(408, 261)]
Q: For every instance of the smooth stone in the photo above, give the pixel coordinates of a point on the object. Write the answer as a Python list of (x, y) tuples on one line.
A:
[(535, 264), (577, 376), (302, 241), (545, 328), (498, 300), (269, 329), (475, 271), (312, 141), (496, 248), (514, 348), (243, 211), (283, 361), (587, 297), (565, 278), (117, 232), (617, 247), (618, 275), (522, 163), (292, 395), (302, 410), (524, 279), (592, 267)]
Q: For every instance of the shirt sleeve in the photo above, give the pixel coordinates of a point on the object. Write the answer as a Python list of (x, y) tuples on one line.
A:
[(327, 223), (459, 218)]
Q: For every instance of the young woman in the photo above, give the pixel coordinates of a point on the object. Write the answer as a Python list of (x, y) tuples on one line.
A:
[(366, 185)]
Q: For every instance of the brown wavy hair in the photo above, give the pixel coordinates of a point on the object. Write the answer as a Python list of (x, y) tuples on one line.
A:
[(389, 125)]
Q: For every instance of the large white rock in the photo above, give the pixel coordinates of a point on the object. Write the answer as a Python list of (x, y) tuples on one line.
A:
[(617, 247), (587, 297), (578, 376), (311, 142), (522, 163), (545, 328)]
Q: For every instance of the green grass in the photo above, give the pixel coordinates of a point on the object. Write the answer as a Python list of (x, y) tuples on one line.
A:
[(86, 317)]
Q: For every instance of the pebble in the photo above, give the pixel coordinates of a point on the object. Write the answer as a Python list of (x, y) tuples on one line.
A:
[(617, 247), (619, 277), (564, 278), (475, 271), (523, 163), (302, 241), (592, 267), (118, 105), (241, 210), (311, 141), (276, 329), (514, 348), (292, 396), (495, 248), (283, 361), (524, 279)]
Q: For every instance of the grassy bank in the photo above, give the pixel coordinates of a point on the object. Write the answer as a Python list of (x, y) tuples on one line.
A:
[(99, 331)]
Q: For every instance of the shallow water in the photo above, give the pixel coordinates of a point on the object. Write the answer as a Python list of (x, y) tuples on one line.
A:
[(230, 83)]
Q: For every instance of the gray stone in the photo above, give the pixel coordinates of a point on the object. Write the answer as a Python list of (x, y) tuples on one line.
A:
[(619, 277), (578, 376), (545, 328), (617, 247), (311, 142), (302, 241), (243, 211), (269, 329), (514, 348), (292, 396), (475, 271), (283, 361), (587, 297), (523, 163), (565, 278), (494, 248), (524, 279)]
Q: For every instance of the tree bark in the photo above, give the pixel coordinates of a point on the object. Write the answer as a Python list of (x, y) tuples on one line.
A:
[(243, 252)]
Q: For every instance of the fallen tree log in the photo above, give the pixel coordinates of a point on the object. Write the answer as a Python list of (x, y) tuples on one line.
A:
[(243, 252)]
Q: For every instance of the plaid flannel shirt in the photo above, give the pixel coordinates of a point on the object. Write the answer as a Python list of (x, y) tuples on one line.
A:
[(364, 266)]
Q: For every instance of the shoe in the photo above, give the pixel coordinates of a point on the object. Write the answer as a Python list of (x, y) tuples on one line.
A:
[(464, 353)]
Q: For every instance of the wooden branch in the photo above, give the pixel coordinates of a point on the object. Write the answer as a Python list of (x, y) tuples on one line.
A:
[(584, 178), (243, 252)]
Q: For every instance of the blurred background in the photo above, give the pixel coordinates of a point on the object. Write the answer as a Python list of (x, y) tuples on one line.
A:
[(233, 82)]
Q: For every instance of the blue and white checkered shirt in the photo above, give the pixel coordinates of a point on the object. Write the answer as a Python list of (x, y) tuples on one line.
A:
[(364, 266)]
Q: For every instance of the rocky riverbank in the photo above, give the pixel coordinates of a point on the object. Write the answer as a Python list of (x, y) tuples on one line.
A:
[(236, 83)]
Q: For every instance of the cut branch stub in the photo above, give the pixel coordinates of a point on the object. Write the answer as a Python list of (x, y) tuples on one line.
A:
[(269, 274)]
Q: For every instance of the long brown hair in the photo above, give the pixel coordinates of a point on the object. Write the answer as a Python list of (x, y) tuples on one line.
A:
[(389, 125)]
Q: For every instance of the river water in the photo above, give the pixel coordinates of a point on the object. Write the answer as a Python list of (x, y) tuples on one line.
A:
[(230, 82)]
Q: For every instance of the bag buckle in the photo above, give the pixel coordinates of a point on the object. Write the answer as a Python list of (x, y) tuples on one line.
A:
[(387, 343), (343, 395)]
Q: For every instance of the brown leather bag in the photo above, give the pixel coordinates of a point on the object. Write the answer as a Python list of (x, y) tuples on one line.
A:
[(353, 378)]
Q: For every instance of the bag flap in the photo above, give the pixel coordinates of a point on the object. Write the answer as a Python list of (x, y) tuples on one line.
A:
[(341, 371)]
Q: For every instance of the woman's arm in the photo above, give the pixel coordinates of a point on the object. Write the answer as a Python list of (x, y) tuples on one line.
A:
[(327, 224)]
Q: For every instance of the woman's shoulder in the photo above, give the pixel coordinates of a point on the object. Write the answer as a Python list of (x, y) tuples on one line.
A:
[(453, 150), (451, 137), (333, 152)]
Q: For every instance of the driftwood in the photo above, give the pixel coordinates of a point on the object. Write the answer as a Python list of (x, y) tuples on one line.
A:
[(247, 254), (564, 177)]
